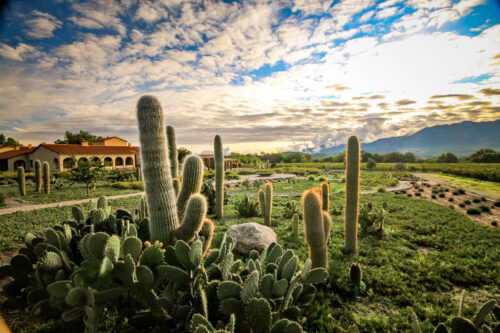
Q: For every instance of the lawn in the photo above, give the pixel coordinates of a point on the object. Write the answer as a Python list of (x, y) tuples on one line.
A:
[(428, 254), (66, 193)]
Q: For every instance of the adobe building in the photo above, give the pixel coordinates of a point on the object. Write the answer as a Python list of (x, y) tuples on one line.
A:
[(209, 162), (113, 152)]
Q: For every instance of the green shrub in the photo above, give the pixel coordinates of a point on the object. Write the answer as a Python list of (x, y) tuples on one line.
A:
[(418, 194), (467, 202), (400, 167), (247, 207), (483, 199), (461, 205), (137, 185), (230, 175), (322, 178), (461, 191), (441, 195), (311, 177), (208, 175), (484, 208), (494, 223), (455, 193), (473, 211), (476, 200), (381, 189), (497, 203), (208, 191), (433, 196), (451, 199)]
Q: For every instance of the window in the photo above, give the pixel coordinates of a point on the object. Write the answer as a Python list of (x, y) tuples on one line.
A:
[(119, 161), (68, 163), (108, 161), (56, 163), (129, 161)]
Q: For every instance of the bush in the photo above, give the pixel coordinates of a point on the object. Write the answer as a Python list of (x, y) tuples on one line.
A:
[(476, 200), (208, 190), (322, 179), (494, 223), (418, 194), (381, 189), (451, 199), (409, 195), (433, 196), (497, 203), (455, 193), (138, 185), (483, 199), (247, 207), (311, 177), (371, 164), (473, 211), (467, 202), (230, 175), (400, 167), (485, 208), (461, 191), (441, 195), (461, 205)]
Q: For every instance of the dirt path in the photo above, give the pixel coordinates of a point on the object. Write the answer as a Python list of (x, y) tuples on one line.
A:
[(63, 203)]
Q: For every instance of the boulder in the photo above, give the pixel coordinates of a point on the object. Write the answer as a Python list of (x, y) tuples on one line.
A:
[(251, 236)]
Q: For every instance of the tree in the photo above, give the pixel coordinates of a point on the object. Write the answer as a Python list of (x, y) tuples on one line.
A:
[(8, 141), (182, 153), (365, 156), (393, 157), (447, 158), (371, 164), (295, 158), (86, 172), (77, 138), (409, 157), (485, 156)]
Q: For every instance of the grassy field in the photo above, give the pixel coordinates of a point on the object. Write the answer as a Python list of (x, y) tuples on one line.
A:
[(428, 254), (66, 193), (482, 187)]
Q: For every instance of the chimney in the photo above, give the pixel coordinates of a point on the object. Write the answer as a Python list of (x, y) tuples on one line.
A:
[(30, 146), (130, 144), (18, 147), (84, 143)]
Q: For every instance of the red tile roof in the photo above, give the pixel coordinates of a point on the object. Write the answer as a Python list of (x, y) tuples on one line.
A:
[(16, 152), (110, 137), (90, 150)]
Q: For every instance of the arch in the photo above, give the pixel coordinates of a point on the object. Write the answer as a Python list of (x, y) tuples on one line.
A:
[(129, 161), (68, 163), (119, 161), (95, 159), (19, 163), (82, 159), (108, 161), (55, 161)]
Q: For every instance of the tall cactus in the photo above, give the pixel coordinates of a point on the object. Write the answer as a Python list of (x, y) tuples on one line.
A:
[(160, 193), (317, 225), (325, 196), (352, 195), (46, 177), (295, 225), (266, 203), (172, 152), (139, 175), (21, 180), (38, 176), (164, 210), (219, 177)]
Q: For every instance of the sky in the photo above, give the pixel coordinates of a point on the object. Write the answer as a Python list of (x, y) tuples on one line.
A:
[(265, 75)]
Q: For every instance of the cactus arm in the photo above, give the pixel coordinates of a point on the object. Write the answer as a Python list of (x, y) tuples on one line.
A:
[(177, 185), (21, 180), (325, 193), (172, 152), (46, 177), (193, 220), (207, 231), (38, 176), (219, 177), (262, 202), (352, 195), (192, 179), (160, 193)]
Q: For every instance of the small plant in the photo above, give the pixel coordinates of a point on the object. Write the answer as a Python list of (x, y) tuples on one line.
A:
[(295, 225), (461, 191), (476, 200), (433, 196), (494, 223), (484, 208), (400, 167), (246, 183), (467, 202), (451, 199), (322, 178), (447, 190), (290, 209), (484, 199), (418, 194), (208, 191), (311, 177), (442, 195), (420, 189), (372, 220), (381, 189), (473, 211), (497, 203), (247, 207), (3, 198), (409, 195), (455, 193), (461, 205)]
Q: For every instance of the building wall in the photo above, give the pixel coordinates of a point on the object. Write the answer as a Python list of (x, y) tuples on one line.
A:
[(112, 142), (46, 155), (11, 162), (102, 157)]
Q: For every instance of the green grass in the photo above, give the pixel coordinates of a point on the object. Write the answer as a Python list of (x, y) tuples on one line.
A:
[(66, 193), (481, 186), (427, 255)]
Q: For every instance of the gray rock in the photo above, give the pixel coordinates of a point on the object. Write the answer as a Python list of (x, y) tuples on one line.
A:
[(251, 236)]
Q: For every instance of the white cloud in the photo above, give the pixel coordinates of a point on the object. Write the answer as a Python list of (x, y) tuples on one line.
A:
[(18, 53), (387, 12), (42, 25)]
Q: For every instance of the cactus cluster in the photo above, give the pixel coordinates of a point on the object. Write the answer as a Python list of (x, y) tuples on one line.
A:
[(372, 220), (219, 177), (266, 203), (46, 177), (38, 176), (317, 225), (172, 214), (352, 195), (21, 181), (247, 207)]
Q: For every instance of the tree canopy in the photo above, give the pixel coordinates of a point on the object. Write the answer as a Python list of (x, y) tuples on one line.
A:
[(77, 138), (8, 141)]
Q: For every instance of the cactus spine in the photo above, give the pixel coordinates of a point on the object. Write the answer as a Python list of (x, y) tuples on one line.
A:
[(160, 194), (295, 225), (38, 176), (172, 152), (352, 195), (325, 196), (21, 180), (163, 212), (46, 177), (219, 177), (317, 226), (266, 203)]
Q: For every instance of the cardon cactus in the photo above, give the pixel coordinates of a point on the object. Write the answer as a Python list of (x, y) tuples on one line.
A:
[(165, 209), (352, 195), (139, 175), (219, 177), (295, 225), (325, 196), (38, 176), (172, 152), (317, 225), (46, 177), (21, 181), (266, 203), (355, 274)]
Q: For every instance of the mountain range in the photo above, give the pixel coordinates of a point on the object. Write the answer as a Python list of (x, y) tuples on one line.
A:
[(461, 139)]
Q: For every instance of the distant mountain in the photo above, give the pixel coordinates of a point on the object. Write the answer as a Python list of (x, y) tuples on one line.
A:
[(461, 139)]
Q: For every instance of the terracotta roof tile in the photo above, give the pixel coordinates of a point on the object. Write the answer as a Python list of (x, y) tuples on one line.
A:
[(14, 153), (90, 150)]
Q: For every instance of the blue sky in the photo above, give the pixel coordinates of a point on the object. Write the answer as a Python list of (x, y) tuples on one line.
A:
[(265, 75)]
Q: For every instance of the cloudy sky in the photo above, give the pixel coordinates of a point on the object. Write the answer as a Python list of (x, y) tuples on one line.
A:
[(265, 75)]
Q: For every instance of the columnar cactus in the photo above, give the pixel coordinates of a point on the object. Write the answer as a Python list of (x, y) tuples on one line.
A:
[(317, 226), (21, 180), (139, 175), (266, 203), (295, 225), (352, 195), (219, 177), (172, 152), (46, 177), (355, 274), (165, 210), (38, 176), (325, 196)]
